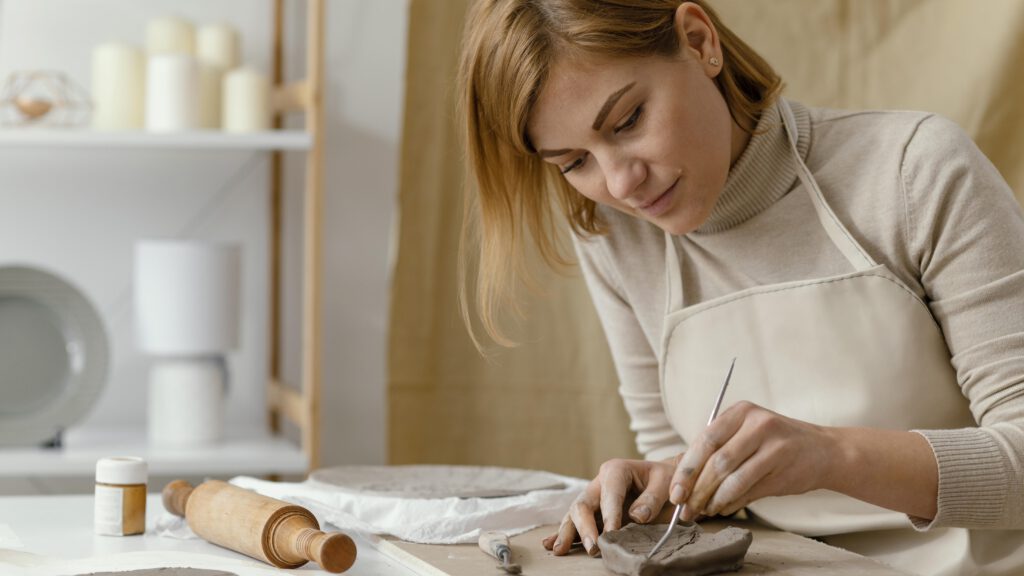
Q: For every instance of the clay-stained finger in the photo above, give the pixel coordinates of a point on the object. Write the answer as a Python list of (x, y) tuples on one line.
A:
[(649, 503), (616, 480), (696, 457), (731, 456), (736, 487), (583, 517), (566, 534)]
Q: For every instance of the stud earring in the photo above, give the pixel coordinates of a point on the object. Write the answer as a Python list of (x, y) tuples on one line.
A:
[(713, 61)]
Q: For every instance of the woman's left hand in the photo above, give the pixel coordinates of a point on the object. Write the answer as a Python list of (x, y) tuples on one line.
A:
[(748, 453)]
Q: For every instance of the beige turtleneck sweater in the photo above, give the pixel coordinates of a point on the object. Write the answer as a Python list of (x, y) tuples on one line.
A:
[(920, 198)]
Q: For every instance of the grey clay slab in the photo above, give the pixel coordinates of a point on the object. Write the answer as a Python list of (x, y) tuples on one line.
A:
[(429, 481)]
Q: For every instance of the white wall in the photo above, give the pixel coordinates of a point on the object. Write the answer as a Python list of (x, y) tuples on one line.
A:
[(79, 212)]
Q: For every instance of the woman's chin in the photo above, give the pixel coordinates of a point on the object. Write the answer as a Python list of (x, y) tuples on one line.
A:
[(677, 226)]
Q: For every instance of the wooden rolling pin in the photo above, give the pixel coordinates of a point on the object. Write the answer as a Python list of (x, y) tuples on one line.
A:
[(264, 528)]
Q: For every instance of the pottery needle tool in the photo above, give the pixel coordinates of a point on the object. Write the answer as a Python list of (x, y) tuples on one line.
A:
[(496, 544), (679, 507)]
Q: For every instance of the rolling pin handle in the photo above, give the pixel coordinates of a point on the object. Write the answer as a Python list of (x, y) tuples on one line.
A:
[(334, 552), (175, 497)]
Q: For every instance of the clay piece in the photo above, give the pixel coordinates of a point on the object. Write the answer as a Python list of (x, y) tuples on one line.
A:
[(165, 572), (427, 481), (689, 551)]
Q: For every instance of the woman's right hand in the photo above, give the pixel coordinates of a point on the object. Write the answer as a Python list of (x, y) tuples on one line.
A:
[(645, 482)]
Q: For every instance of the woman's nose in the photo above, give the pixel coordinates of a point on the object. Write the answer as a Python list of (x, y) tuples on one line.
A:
[(623, 175)]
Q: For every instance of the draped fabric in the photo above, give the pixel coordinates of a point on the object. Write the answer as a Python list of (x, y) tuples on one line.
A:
[(551, 403)]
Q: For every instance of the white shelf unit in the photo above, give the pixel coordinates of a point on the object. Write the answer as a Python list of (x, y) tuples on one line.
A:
[(297, 403), (271, 140), (252, 454)]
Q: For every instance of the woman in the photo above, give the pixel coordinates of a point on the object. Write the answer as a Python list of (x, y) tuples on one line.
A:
[(866, 269)]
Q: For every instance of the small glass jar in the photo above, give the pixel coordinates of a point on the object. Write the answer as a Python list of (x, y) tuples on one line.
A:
[(120, 501)]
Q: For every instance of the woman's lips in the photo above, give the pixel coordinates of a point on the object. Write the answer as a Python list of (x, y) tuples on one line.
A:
[(660, 204)]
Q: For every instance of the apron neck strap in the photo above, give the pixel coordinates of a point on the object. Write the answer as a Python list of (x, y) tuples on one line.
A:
[(854, 254), (840, 236)]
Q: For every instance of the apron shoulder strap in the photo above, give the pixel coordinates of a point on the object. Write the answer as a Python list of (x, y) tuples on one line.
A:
[(673, 277), (858, 258), (840, 236)]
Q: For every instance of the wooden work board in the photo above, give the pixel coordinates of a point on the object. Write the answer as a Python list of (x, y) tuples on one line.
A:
[(772, 552)]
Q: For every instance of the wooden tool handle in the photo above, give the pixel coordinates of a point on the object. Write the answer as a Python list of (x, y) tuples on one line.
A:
[(175, 496), (264, 528), (495, 544)]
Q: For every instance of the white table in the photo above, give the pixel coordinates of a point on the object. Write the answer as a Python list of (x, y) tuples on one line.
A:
[(61, 527)]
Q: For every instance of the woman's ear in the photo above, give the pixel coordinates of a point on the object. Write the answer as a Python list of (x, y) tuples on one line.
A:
[(698, 38)]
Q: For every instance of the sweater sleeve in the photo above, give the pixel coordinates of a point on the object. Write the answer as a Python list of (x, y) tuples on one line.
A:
[(966, 233), (635, 362)]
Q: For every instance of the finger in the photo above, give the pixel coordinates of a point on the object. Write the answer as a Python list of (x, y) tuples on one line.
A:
[(615, 483), (769, 486), (731, 456), (737, 486), (549, 542), (773, 483), (582, 515), (709, 441), (566, 534), (649, 503)]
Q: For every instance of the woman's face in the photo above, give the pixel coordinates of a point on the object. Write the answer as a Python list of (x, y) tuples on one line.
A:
[(651, 137)]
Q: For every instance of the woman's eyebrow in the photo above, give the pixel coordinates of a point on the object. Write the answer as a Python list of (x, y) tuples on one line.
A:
[(602, 115), (609, 104)]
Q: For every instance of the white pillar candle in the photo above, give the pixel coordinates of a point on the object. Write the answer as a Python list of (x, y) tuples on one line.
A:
[(172, 93), (246, 101), (217, 48), (170, 35), (218, 45), (118, 87)]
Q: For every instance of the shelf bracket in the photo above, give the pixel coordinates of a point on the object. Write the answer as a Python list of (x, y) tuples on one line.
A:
[(292, 97)]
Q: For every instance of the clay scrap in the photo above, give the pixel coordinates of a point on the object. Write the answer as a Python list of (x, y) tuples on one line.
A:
[(689, 551)]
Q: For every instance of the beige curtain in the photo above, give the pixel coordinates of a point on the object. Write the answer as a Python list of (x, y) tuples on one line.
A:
[(552, 403)]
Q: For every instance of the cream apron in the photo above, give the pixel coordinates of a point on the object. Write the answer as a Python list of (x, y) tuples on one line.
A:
[(859, 349)]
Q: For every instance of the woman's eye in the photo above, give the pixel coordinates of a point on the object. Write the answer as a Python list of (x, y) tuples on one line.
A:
[(631, 121), (573, 165)]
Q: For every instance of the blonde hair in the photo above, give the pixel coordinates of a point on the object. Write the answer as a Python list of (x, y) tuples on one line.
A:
[(508, 48)]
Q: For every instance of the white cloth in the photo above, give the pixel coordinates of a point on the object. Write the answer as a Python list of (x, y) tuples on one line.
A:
[(426, 521)]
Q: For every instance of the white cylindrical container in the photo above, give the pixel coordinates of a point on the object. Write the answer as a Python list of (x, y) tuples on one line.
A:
[(170, 35), (246, 101), (218, 45), (118, 87), (120, 496), (187, 297), (172, 93), (186, 402)]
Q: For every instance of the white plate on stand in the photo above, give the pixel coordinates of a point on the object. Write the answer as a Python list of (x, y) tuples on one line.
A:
[(54, 355)]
